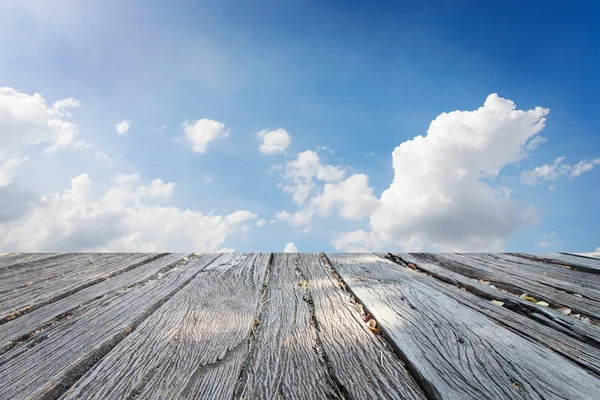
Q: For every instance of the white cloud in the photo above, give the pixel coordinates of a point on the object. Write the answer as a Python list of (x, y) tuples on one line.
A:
[(551, 172), (290, 248), (273, 142), (297, 218), (301, 172), (203, 131), (353, 196), (26, 120), (543, 244), (261, 222), (597, 250), (358, 242), (128, 217), (123, 126), (438, 197)]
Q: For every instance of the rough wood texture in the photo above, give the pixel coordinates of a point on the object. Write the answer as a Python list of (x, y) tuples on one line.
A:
[(232, 326), (583, 263), (27, 324), (519, 282), (193, 346), (547, 316), (47, 364), (579, 352), (312, 343), (25, 289), (15, 260), (457, 352)]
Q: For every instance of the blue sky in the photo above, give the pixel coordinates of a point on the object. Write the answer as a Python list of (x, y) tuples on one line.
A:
[(359, 79)]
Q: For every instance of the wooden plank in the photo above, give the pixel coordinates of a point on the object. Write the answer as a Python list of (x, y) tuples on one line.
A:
[(24, 326), (581, 263), (543, 270), (14, 260), (545, 315), (457, 352), (476, 269), (47, 364), (581, 353), (312, 343), (193, 346), (22, 290), (553, 277), (594, 255)]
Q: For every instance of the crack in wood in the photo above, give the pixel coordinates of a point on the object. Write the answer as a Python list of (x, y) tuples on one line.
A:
[(338, 390), (427, 387), (75, 373), (24, 310), (252, 340)]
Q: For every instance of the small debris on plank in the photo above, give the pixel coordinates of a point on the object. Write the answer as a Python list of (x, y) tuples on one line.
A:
[(564, 310), (524, 296), (372, 325), (498, 302)]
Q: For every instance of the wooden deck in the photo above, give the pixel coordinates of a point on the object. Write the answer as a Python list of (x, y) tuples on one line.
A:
[(299, 326)]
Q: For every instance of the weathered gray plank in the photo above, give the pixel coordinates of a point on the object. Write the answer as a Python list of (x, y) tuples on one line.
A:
[(14, 260), (458, 352), (553, 277), (312, 343), (47, 364), (547, 316), (22, 291), (24, 326), (538, 270), (576, 351), (193, 346), (575, 262), (477, 269), (594, 255)]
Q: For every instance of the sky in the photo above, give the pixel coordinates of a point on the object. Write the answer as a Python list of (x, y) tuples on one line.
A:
[(299, 126)]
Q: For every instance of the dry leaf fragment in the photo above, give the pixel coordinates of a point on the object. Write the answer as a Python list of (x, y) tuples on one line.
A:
[(578, 295), (498, 302), (524, 296), (483, 282), (411, 266), (372, 325), (565, 310), (542, 303)]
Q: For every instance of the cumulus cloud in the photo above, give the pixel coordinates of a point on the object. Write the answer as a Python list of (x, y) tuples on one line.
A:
[(27, 120), (273, 142), (551, 172), (128, 217), (123, 126), (301, 172), (290, 248), (352, 196), (203, 131), (261, 222), (439, 197)]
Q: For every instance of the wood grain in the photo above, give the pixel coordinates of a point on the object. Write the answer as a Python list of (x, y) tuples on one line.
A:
[(47, 364), (27, 324), (191, 347), (588, 264), (311, 343), (550, 317), (457, 352), (22, 290), (16, 260), (576, 351), (509, 278)]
